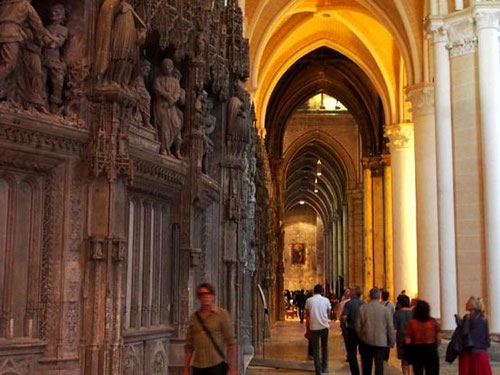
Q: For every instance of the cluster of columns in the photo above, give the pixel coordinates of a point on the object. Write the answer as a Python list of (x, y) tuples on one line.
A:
[(335, 237), (433, 165)]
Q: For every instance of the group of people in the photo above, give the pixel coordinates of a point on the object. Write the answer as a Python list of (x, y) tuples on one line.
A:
[(298, 299), (372, 328)]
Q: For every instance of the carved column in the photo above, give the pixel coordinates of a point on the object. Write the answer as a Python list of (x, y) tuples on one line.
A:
[(277, 170), (487, 25), (108, 208), (422, 99), (356, 232), (403, 209)]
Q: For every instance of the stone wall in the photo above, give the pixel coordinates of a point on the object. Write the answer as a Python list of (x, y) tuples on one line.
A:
[(302, 226)]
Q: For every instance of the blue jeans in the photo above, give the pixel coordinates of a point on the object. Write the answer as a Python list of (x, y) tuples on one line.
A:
[(316, 336)]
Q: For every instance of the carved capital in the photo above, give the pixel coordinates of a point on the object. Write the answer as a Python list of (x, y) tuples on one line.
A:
[(436, 31), (400, 135), (421, 97), (462, 40), (487, 20)]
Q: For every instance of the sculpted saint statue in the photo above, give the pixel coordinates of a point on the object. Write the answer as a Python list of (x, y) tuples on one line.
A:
[(238, 121), (56, 68), (120, 33), (168, 116), (15, 17), (30, 79), (144, 103), (209, 122)]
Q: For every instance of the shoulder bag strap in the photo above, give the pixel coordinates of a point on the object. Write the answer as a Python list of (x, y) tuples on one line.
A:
[(209, 334)]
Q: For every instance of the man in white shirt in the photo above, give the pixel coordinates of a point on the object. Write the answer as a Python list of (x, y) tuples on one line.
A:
[(318, 308)]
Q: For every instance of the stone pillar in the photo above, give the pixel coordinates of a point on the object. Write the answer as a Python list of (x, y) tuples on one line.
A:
[(422, 99), (368, 221), (459, 4), (487, 24), (377, 171), (403, 209), (389, 250), (344, 264), (445, 192), (339, 245)]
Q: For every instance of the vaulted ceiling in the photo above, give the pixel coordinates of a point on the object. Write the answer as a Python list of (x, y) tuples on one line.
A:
[(383, 38)]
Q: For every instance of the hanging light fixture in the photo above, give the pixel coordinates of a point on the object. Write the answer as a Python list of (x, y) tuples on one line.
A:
[(318, 168), (316, 185), (302, 203)]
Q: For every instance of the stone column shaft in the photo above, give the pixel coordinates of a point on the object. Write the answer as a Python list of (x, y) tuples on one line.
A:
[(422, 99), (445, 186), (403, 208), (489, 84), (368, 220), (389, 249)]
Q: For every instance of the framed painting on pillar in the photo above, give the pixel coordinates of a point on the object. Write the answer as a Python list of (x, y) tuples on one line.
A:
[(298, 253)]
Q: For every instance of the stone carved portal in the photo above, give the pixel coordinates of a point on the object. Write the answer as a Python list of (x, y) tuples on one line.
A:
[(139, 153)]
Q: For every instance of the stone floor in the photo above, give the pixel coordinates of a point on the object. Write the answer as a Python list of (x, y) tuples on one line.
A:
[(286, 353)]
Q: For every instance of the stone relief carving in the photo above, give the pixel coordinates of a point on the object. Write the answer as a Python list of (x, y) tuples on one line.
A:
[(168, 116)]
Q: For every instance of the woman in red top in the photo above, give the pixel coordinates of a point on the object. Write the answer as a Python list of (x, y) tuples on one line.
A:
[(422, 339)]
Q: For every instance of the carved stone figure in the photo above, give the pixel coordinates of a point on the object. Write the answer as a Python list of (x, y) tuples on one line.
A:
[(168, 116), (30, 80), (238, 121), (209, 122), (120, 33), (56, 67), (143, 111), (15, 18)]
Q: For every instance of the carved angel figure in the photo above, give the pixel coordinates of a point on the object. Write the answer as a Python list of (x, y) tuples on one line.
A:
[(16, 17), (56, 67), (168, 116), (120, 33)]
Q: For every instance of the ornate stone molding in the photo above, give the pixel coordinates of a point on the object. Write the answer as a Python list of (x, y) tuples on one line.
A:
[(421, 97), (159, 172), (400, 135), (41, 140), (462, 40)]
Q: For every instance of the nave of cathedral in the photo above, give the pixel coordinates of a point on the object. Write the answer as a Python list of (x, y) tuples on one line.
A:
[(147, 146)]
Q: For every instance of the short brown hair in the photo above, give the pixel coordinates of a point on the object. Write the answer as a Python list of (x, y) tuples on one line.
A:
[(207, 286)]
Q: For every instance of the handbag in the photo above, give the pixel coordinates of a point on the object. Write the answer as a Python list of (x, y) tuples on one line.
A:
[(225, 365)]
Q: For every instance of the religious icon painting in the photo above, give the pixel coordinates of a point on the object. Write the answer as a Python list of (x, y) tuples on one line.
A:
[(298, 253)]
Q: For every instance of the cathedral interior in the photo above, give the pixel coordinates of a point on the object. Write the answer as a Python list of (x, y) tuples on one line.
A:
[(147, 146)]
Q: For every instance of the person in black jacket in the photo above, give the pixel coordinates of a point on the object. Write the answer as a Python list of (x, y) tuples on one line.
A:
[(474, 358)]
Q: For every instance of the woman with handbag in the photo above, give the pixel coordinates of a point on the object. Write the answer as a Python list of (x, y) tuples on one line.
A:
[(474, 358), (422, 340), (210, 330), (402, 317)]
